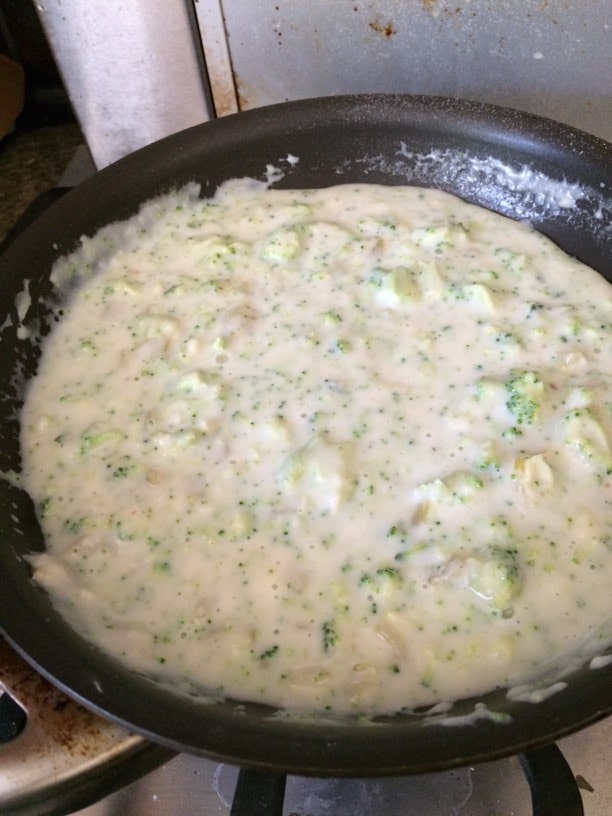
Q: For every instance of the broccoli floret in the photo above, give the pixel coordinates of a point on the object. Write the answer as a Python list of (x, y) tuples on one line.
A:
[(525, 394), (496, 576), (382, 580), (269, 652), (330, 637)]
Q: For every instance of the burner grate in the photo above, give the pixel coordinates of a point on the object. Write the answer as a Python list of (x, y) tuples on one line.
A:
[(554, 790)]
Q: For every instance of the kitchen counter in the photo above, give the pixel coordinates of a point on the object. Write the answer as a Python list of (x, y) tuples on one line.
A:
[(31, 162)]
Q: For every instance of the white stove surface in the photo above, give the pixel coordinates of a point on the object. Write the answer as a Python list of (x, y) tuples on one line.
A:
[(193, 786)]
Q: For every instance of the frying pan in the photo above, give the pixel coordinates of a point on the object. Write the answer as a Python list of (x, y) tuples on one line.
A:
[(517, 164)]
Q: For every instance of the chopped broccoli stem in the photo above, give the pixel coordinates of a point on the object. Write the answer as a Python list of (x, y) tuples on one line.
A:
[(95, 438)]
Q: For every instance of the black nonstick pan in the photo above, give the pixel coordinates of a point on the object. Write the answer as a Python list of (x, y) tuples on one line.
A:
[(520, 165)]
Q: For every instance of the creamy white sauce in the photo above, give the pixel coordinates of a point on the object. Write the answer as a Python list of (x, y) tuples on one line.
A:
[(342, 449)]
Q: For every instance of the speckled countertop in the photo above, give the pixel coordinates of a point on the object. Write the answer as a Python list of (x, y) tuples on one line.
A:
[(31, 162)]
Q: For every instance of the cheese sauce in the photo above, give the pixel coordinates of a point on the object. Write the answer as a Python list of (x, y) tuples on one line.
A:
[(343, 449)]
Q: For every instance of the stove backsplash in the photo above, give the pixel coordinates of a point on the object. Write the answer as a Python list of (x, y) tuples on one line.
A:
[(141, 70)]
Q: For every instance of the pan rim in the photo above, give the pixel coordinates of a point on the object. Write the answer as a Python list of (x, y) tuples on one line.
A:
[(225, 735)]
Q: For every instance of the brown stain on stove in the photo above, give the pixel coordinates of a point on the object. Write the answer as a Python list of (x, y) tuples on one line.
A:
[(59, 721), (225, 101), (538, 8), (386, 29), (225, 98)]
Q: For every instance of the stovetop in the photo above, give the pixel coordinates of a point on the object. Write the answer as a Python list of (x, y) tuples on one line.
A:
[(67, 757), (191, 785)]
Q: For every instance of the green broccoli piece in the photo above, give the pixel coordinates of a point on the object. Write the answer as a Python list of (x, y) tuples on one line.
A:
[(496, 576), (383, 580), (268, 653), (95, 437), (525, 394), (330, 638)]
